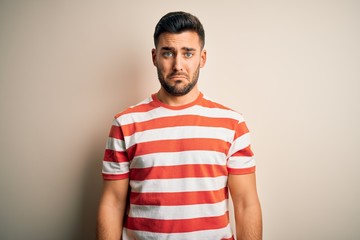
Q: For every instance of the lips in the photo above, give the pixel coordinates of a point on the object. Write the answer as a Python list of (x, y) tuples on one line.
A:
[(178, 76)]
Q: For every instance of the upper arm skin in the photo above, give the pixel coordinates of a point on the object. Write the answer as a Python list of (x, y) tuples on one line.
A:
[(243, 189), (246, 206), (112, 209), (114, 192)]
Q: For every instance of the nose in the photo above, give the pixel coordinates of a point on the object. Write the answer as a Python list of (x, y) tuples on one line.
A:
[(178, 64)]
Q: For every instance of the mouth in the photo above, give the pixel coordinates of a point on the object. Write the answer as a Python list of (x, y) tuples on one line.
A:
[(178, 77)]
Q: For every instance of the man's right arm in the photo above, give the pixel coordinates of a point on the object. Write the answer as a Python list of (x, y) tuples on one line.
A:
[(112, 209)]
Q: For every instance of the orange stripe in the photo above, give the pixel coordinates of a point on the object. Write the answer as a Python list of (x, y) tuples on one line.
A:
[(175, 121), (179, 198), (178, 146), (139, 108), (241, 129), (245, 152), (115, 176), (210, 104), (115, 156), (182, 171), (242, 170), (232, 238), (115, 132), (177, 226)]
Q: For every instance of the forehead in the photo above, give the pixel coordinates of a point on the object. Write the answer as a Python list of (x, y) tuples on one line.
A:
[(187, 39)]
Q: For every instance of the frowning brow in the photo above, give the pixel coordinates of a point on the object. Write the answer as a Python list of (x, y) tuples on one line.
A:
[(187, 49)]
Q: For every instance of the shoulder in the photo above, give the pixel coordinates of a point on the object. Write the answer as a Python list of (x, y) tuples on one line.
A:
[(208, 102), (214, 105), (141, 107)]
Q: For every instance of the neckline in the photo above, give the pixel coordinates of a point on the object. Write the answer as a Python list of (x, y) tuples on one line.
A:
[(161, 104)]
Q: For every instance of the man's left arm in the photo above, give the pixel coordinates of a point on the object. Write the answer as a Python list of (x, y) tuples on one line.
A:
[(247, 208)]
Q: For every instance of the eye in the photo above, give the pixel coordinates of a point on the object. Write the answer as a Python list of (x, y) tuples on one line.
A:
[(167, 54), (188, 54)]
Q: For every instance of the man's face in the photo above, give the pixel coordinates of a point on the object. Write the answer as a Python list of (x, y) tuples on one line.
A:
[(178, 58)]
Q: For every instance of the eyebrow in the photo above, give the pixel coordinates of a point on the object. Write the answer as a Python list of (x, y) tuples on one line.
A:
[(188, 49)]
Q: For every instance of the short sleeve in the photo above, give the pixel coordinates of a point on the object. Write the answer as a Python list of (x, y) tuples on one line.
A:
[(115, 161), (240, 157)]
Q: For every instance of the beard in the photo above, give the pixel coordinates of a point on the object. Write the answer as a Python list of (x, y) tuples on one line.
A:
[(178, 88)]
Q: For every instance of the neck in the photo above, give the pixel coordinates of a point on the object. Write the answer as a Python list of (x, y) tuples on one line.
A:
[(171, 100)]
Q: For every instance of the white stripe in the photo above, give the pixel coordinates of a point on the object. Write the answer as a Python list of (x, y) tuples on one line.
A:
[(179, 185), (164, 112), (197, 235), (179, 212), (241, 162), (115, 144), (240, 143), (146, 101), (178, 158), (183, 132), (115, 167)]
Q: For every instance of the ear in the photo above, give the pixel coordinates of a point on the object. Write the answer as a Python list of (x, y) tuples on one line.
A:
[(153, 55), (203, 58)]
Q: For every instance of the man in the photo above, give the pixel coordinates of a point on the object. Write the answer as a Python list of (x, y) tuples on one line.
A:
[(171, 159)]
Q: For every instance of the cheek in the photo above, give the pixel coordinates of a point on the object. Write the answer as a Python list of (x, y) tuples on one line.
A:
[(194, 66), (161, 69), (164, 66)]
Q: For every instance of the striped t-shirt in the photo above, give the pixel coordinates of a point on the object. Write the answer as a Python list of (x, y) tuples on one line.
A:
[(177, 160)]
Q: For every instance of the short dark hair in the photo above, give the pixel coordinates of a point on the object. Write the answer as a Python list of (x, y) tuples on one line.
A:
[(178, 22)]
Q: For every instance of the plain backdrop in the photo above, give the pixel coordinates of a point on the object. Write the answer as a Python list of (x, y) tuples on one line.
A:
[(291, 67)]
